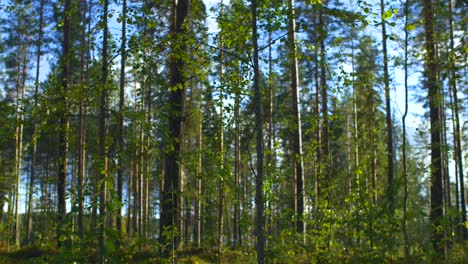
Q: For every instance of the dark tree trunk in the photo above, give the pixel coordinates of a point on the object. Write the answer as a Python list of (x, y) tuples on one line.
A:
[(123, 57), (32, 175), (325, 144), (388, 116), (457, 130), (63, 129), (103, 161), (259, 221), (170, 202), (436, 212), (403, 121), (296, 119)]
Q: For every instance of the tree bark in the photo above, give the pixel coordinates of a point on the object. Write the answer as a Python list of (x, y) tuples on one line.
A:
[(171, 194), (296, 125), (237, 164), (388, 116), (221, 141), (457, 130), (103, 131), (259, 221), (403, 121), (20, 108), (325, 144), (123, 56), (63, 129), (436, 212), (32, 175)]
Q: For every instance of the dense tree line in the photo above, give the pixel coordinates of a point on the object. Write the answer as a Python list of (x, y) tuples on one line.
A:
[(244, 131)]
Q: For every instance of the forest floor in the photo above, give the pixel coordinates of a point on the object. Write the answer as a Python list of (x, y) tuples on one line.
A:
[(458, 254), (35, 255)]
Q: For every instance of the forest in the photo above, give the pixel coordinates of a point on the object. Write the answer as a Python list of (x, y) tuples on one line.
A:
[(235, 131)]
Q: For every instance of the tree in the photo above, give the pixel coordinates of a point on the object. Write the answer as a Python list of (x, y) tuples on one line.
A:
[(296, 126), (171, 192), (120, 168), (259, 221), (63, 125), (388, 114), (434, 98)]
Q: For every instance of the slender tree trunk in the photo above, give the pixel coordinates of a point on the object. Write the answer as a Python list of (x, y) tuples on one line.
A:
[(123, 56), (297, 140), (171, 194), (403, 121), (259, 221), (81, 126), (445, 177), (388, 116), (221, 143), (373, 143), (198, 206), (318, 132), (34, 133), (20, 144), (130, 205), (325, 144), (63, 129), (18, 114), (436, 212), (103, 149), (237, 164), (457, 130)]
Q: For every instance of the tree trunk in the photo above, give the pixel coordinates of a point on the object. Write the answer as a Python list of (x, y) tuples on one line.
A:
[(457, 131), (259, 221), (436, 213), (237, 163), (123, 56), (34, 133), (221, 143), (103, 149), (18, 124), (63, 129), (20, 108), (197, 233), (325, 144), (81, 126), (171, 194), (296, 118), (403, 121), (388, 115)]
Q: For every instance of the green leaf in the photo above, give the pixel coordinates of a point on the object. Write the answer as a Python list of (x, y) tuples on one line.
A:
[(388, 14), (411, 27)]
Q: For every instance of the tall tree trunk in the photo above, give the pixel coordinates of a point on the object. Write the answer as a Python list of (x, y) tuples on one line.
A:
[(436, 212), (259, 221), (130, 205), (81, 125), (457, 130), (123, 57), (17, 144), (403, 121), (63, 129), (318, 132), (171, 193), (325, 144), (198, 205), (296, 117), (221, 141), (103, 149), (237, 163), (34, 133), (388, 116), (20, 108)]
